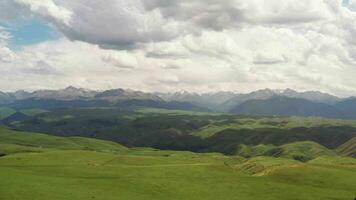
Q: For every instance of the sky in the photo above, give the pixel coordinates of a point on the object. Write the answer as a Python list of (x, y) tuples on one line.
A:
[(173, 45)]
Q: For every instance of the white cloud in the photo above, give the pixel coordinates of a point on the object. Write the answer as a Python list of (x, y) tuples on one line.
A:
[(200, 45), (116, 23), (120, 59), (48, 9), (6, 55)]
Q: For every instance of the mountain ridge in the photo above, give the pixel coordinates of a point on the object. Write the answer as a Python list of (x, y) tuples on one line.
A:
[(323, 104)]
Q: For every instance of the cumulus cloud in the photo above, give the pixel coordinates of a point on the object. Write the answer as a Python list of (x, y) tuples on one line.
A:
[(125, 24), (200, 45), (120, 59), (110, 23), (48, 9), (218, 15)]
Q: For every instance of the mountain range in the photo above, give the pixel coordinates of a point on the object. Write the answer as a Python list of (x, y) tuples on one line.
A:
[(262, 102)]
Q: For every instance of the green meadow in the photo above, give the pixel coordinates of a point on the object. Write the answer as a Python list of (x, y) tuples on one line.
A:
[(38, 166)]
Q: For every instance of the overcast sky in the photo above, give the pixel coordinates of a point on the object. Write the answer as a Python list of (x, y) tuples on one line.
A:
[(172, 45)]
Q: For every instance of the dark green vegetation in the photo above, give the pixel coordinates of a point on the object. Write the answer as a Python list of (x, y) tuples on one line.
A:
[(184, 130), (37, 166)]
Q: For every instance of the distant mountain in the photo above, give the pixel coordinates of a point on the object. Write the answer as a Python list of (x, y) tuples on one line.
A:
[(18, 116), (67, 94), (20, 94), (121, 94), (286, 106), (219, 101), (240, 98), (208, 100), (348, 106), (313, 96), (5, 98)]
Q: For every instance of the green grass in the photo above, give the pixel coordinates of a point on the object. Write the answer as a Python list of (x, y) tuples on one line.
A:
[(285, 123), (349, 148), (45, 167), (96, 175), (334, 161), (302, 151), (14, 141), (6, 112)]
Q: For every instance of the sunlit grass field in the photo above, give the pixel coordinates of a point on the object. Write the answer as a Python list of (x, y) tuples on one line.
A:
[(36, 166)]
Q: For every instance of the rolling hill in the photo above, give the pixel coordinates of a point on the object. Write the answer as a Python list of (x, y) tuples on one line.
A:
[(302, 151), (349, 148), (15, 142), (186, 130), (37, 166)]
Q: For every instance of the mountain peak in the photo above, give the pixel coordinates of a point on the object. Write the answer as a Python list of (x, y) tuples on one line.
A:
[(71, 88)]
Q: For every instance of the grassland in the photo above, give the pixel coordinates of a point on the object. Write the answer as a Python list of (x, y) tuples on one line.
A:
[(302, 151), (42, 167), (286, 123)]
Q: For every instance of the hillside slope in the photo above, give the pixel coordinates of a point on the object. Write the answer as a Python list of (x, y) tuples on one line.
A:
[(15, 141), (302, 151), (349, 148)]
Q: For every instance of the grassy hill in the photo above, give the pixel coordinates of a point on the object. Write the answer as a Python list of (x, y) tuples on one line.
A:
[(15, 142), (186, 130), (78, 168), (349, 148), (302, 151)]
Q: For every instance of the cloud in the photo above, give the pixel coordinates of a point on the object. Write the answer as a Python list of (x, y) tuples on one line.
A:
[(6, 55), (219, 15), (114, 24), (264, 59), (121, 60), (201, 45), (41, 68), (121, 24), (48, 9)]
